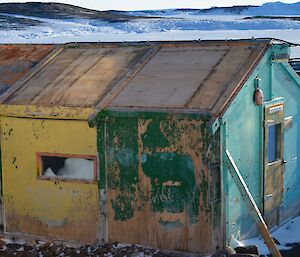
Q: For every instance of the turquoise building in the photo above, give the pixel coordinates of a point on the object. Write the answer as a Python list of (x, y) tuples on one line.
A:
[(264, 143)]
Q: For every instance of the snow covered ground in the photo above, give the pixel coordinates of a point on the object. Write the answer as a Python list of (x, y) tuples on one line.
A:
[(286, 235), (190, 27)]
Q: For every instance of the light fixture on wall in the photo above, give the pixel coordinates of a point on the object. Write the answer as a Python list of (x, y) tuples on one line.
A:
[(258, 96)]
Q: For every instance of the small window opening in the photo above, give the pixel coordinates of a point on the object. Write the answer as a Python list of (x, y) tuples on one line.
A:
[(274, 142), (68, 167)]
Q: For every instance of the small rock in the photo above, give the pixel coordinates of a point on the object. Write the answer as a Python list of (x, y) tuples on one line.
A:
[(27, 248), (101, 251), (44, 246), (247, 249), (228, 251), (118, 254), (243, 255), (158, 254), (276, 241), (137, 254), (146, 252), (21, 249)]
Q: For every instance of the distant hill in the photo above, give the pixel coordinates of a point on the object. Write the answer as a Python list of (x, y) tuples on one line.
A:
[(61, 11), (66, 11), (238, 9), (22, 16), (274, 8)]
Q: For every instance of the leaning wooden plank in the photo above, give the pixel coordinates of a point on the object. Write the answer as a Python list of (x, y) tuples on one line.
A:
[(253, 209), (122, 83)]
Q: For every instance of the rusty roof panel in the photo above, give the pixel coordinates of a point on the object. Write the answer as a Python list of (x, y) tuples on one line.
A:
[(17, 60), (190, 77), (79, 76)]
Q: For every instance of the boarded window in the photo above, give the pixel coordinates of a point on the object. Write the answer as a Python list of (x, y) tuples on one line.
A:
[(274, 142), (67, 166)]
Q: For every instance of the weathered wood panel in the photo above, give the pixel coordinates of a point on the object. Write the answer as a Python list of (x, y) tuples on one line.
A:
[(273, 169), (170, 78), (158, 183), (17, 60), (201, 76), (79, 76)]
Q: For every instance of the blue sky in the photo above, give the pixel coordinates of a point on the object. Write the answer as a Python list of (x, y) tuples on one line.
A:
[(152, 4)]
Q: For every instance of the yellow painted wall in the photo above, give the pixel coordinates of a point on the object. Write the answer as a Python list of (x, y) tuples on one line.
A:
[(56, 209)]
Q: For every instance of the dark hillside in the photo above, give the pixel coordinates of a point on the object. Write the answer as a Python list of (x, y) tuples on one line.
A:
[(60, 11)]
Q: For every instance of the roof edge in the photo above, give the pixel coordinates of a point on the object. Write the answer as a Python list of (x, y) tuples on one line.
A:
[(46, 112), (156, 113), (243, 81)]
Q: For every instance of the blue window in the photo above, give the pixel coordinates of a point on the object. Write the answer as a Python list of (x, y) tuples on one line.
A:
[(274, 142)]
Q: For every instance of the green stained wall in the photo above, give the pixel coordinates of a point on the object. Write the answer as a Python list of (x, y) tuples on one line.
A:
[(157, 172)]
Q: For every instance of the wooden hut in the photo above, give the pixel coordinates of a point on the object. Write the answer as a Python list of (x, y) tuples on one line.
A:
[(130, 142)]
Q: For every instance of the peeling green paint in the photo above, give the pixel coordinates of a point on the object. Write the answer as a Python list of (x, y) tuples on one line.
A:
[(169, 149), (122, 165)]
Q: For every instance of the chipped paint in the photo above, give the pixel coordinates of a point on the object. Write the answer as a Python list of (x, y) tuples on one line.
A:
[(158, 177), (49, 208), (53, 112)]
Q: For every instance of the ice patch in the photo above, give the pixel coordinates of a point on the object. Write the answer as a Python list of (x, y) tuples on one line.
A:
[(77, 168), (287, 233), (49, 173)]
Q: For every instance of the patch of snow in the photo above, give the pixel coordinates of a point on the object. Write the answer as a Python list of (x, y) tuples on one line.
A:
[(287, 233), (234, 242), (49, 173), (271, 8), (77, 168), (7, 240), (188, 28), (21, 249), (276, 8), (4, 248)]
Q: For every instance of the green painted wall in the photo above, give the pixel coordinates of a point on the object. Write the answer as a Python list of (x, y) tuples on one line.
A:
[(163, 159), (158, 166)]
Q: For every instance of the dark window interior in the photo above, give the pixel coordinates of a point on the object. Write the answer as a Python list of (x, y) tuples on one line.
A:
[(55, 163), (274, 142), (67, 167)]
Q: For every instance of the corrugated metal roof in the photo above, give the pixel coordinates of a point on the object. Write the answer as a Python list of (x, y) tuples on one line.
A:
[(145, 76), (78, 76), (17, 60), (200, 77)]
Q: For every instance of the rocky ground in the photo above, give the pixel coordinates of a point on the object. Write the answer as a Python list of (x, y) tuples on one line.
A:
[(18, 248), (294, 252), (10, 248)]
